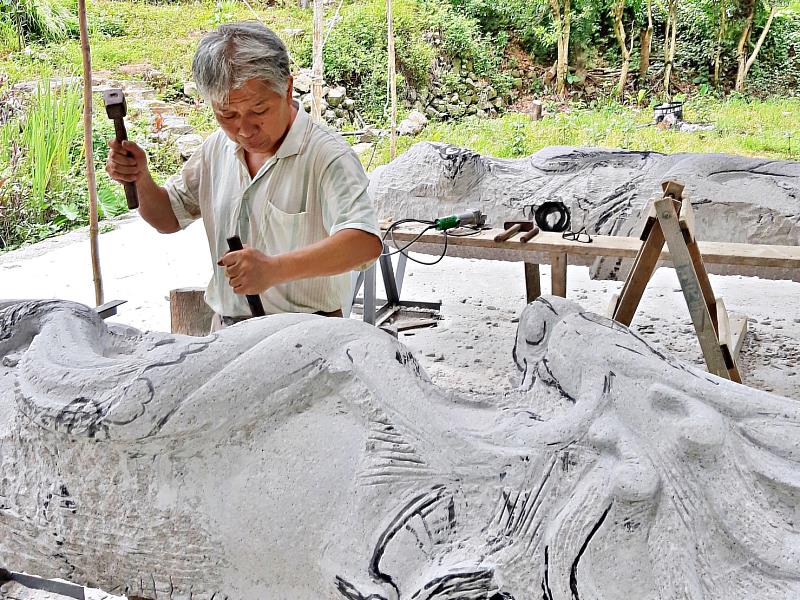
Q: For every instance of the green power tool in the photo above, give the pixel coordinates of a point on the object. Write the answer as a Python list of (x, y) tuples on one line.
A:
[(474, 217)]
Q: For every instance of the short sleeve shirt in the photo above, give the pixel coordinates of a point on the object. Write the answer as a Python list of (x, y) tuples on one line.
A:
[(313, 187)]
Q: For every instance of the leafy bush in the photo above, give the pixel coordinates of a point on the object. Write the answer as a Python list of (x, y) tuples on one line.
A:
[(42, 181), (38, 20)]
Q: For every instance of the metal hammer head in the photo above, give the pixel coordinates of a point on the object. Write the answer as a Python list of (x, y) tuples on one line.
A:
[(114, 99), (523, 225)]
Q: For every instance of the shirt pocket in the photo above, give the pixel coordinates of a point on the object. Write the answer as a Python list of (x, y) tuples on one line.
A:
[(283, 232)]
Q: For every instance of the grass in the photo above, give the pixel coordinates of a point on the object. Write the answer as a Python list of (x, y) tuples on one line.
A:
[(125, 32), (767, 128)]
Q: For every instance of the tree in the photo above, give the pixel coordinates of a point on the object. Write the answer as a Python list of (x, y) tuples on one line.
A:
[(618, 11), (647, 41), (742, 58), (562, 16), (317, 67), (723, 24), (670, 38)]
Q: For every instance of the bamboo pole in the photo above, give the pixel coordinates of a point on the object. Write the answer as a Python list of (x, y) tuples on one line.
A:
[(91, 179), (317, 65), (392, 81)]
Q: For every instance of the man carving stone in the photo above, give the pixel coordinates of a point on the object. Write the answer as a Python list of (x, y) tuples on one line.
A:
[(292, 190)]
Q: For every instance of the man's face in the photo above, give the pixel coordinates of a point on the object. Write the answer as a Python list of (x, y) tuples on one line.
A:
[(255, 116)]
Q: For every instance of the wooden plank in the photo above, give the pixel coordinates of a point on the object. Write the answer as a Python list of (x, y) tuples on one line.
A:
[(189, 314), (754, 255), (725, 344), (612, 306), (533, 282), (558, 275), (686, 218), (724, 329), (738, 328), (702, 277), (684, 267), (672, 188), (642, 271)]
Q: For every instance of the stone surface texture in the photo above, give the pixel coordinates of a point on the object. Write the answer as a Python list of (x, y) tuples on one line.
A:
[(300, 457), (735, 198)]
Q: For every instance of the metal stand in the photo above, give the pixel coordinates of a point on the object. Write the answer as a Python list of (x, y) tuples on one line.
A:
[(378, 311)]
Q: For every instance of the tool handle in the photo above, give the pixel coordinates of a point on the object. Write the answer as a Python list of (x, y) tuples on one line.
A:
[(254, 300), (131, 195), (529, 235), (502, 237)]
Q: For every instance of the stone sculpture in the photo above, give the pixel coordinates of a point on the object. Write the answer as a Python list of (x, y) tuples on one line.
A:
[(735, 198), (300, 457)]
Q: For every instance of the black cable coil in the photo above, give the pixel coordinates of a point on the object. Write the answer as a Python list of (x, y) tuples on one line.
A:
[(545, 212)]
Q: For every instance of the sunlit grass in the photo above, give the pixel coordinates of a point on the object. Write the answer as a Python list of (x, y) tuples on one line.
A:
[(768, 128)]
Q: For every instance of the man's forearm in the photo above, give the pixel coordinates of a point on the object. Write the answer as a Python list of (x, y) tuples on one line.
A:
[(154, 205), (343, 251)]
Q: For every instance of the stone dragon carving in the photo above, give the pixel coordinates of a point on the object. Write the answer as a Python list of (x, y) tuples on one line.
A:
[(300, 457)]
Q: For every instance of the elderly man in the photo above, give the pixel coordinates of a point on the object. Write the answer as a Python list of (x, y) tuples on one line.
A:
[(293, 191)]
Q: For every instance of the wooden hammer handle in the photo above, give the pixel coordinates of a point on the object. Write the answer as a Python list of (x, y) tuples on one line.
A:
[(529, 235), (511, 231), (131, 195)]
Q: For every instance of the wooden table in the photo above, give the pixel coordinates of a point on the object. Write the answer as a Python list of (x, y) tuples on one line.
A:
[(551, 248)]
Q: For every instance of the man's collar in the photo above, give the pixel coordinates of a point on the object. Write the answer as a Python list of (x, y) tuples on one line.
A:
[(293, 142)]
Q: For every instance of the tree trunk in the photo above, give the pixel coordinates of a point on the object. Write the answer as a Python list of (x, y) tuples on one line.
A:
[(562, 19), (647, 41), (619, 31), (392, 81), (723, 21), (91, 179), (317, 65), (741, 47), (670, 38), (741, 51)]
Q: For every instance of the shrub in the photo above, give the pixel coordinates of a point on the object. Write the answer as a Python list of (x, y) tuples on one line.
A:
[(38, 20)]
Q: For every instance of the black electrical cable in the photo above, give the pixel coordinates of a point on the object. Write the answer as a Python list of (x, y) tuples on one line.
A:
[(430, 225), (543, 214)]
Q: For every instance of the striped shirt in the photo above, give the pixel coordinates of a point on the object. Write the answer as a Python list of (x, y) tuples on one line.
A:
[(313, 187)]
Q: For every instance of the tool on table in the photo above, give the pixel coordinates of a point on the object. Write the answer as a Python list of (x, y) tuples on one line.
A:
[(473, 221), (512, 228), (474, 217), (116, 109), (256, 308), (62, 588)]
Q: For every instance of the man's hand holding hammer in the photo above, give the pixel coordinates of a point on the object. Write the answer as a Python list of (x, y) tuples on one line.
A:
[(127, 163)]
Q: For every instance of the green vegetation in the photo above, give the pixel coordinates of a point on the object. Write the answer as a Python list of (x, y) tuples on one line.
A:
[(22, 21), (768, 128), (42, 185), (510, 44)]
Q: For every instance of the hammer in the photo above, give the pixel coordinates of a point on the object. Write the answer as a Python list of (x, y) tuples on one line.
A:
[(116, 109), (512, 228)]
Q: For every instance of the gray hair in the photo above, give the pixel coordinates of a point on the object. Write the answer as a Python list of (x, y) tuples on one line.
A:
[(235, 52)]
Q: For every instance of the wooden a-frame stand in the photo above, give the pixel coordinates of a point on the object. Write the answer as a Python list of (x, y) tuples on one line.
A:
[(671, 220)]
